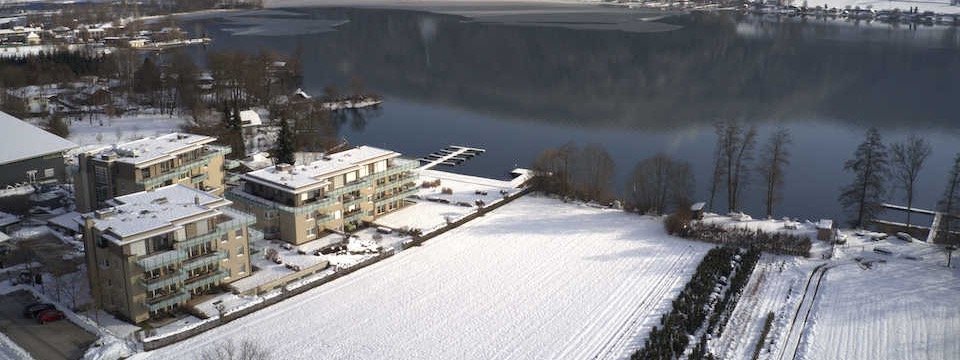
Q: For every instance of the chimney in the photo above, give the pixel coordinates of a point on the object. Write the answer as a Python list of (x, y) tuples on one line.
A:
[(196, 200)]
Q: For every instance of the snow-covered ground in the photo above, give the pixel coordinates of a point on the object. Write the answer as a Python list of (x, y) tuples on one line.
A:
[(937, 6), (535, 279), (901, 306), (111, 130)]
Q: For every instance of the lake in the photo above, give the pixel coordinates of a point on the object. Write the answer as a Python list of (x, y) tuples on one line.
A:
[(517, 87)]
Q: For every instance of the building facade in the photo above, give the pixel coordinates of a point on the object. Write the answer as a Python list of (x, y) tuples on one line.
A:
[(30, 155), (149, 163), (339, 192), (151, 252)]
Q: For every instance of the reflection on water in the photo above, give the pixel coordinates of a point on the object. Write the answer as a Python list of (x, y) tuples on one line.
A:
[(519, 89)]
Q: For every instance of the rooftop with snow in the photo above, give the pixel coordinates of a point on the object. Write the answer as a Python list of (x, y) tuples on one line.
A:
[(24, 141), (154, 148), (153, 210), (314, 174)]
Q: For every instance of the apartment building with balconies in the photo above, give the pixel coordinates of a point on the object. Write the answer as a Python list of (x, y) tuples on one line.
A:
[(149, 163), (150, 252), (339, 192)]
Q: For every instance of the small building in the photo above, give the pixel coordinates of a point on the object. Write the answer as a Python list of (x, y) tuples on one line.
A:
[(30, 155), (697, 210), (137, 43), (250, 120), (33, 39), (826, 230)]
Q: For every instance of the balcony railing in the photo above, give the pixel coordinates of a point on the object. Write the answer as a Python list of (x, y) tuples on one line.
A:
[(202, 260), (175, 298), (212, 277), (163, 281), (156, 260), (246, 198), (179, 171), (199, 178), (400, 193)]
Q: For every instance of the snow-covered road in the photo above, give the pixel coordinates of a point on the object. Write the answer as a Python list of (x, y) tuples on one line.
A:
[(536, 279)]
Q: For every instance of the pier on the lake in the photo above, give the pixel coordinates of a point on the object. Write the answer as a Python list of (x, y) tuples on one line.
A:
[(452, 155)]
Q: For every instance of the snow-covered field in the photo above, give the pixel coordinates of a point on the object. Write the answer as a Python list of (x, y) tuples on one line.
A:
[(111, 130), (536, 279), (903, 306)]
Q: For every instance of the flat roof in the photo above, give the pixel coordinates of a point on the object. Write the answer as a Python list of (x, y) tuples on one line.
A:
[(22, 141), (151, 210), (301, 176), (154, 148)]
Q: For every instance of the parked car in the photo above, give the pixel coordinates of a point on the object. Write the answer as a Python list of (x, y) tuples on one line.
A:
[(31, 310), (50, 315), (882, 251)]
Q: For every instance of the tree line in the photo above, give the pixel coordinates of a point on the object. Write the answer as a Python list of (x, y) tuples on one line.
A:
[(660, 184)]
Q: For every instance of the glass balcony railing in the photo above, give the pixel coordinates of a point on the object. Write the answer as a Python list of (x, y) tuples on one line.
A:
[(157, 260), (163, 281), (182, 170), (174, 298), (212, 277), (203, 260)]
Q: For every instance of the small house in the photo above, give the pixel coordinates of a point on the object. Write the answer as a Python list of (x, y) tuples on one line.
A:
[(697, 210), (826, 230), (33, 39)]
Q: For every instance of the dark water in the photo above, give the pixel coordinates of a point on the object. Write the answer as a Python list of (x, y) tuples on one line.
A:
[(516, 90)]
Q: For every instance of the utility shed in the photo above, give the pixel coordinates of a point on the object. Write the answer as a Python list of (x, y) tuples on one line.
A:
[(30, 155), (826, 230)]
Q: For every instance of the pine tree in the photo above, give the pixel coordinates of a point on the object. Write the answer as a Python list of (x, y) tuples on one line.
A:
[(863, 198), (284, 149)]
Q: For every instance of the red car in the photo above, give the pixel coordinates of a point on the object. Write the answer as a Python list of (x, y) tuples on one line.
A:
[(50, 315)]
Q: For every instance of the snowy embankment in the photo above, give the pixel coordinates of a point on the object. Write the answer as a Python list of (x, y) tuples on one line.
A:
[(535, 279), (900, 306), (936, 6)]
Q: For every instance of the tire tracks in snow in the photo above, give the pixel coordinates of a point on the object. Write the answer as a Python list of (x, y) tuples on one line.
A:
[(795, 333)]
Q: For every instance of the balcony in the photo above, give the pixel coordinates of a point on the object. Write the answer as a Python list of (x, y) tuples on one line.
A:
[(156, 260), (163, 281), (199, 178), (212, 277), (202, 260), (399, 193), (174, 298), (184, 168), (247, 198), (349, 187)]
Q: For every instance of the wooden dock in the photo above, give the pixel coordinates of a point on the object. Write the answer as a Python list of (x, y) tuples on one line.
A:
[(452, 155)]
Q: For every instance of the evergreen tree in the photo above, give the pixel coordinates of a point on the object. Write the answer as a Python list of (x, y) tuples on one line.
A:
[(58, 126), (283, 151), (864, 196)]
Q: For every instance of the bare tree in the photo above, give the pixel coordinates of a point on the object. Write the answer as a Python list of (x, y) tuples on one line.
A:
[(774, 160), (950, 203), (717, 176), (864, 196), (228, 350), (908, 159), (594, 173), (736, 146), (659, 183)]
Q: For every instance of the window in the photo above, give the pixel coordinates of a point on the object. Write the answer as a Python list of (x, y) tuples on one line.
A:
[(238, 233), (145, 173), (32, 175), (240, 250), (106, 262), (270, 214), (243, 268), (48, 173), (311, 231)]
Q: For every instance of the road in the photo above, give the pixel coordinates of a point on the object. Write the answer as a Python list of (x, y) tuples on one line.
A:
[(788, 351)]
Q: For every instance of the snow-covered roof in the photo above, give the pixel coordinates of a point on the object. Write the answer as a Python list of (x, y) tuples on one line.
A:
[(825, 224), (8, 219), (70, 220), (155, 148), (151, 210), (23, 141), (698, 206), (250, 118), (302, 94), (4, 237), (315, 173)]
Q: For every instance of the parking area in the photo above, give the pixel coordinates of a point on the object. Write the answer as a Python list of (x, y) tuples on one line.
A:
[(57, 340)]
